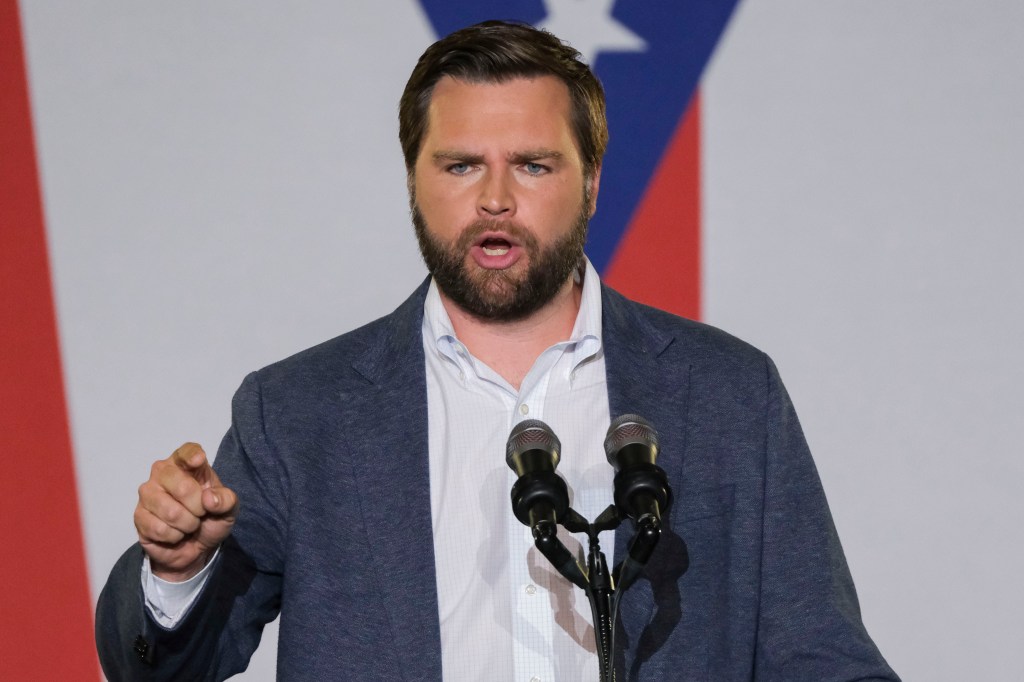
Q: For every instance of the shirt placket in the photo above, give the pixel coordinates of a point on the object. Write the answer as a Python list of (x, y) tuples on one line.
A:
[(532, 625)]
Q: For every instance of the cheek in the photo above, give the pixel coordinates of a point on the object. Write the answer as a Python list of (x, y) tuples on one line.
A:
[(429, 197), (563, 207), (451, 200), (441, 214)]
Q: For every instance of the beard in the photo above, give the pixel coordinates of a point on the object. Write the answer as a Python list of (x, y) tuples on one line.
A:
[(502, 295)]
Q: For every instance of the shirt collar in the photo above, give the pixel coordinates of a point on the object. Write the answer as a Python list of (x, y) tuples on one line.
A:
[(586, 333), (583, 343)]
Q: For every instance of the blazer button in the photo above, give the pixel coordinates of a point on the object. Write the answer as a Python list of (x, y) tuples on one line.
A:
[(143, 650)]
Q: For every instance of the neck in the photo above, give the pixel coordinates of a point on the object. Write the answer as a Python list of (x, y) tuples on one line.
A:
[(511, 348)]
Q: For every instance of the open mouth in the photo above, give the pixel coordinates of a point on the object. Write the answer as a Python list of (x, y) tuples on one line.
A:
[(495, 246)]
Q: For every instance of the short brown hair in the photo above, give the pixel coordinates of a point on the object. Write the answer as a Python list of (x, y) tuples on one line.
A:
[(496, 52)]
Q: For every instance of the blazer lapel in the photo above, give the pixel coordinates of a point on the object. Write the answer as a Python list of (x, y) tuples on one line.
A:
[(646, 376), (394, 486)]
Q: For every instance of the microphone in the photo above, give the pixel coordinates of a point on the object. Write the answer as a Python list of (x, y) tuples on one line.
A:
[(641, 486), (540, 497)]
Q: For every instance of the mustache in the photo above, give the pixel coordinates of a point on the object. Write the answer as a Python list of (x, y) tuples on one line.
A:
[(519, 232), (472, 232)]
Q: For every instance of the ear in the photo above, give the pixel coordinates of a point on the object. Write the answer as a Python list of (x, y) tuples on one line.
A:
[(594, 184)]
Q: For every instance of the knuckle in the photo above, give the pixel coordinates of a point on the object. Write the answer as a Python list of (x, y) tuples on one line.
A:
[(166, 533), (160, 469), (190, 524), (180, 519), (158, 529), (149, 527), (148, 491), (183, 488), (173, 515)]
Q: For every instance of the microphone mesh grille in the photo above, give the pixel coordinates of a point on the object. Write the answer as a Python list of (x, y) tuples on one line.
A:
[(629, 428), (532, 434)]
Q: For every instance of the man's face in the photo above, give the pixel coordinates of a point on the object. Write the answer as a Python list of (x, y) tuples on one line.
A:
[(499, 200)]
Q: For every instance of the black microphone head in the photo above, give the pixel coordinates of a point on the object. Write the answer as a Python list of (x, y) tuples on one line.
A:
[(532, 447), (641, 486), (631, 440)]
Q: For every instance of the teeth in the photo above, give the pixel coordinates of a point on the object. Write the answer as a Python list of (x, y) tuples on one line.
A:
[(495, 251)]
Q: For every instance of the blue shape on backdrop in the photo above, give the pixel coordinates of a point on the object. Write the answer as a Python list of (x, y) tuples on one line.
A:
[(648, 92)]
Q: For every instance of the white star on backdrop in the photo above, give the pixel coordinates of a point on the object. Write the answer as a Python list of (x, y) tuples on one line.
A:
[(588, 26)]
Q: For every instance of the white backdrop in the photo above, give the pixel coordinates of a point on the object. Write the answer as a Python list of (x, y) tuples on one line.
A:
[(222, 188)]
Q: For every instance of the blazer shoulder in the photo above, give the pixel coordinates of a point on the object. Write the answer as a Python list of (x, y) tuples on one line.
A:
[(665, 333), (396, 335)]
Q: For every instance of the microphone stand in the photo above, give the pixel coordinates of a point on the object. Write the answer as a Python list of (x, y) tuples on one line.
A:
[(540, 500), (597, 583)]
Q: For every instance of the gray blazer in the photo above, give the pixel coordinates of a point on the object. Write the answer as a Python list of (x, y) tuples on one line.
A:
[(328, 454)]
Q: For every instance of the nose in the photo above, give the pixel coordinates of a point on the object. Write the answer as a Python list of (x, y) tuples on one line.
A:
[(496, 195)]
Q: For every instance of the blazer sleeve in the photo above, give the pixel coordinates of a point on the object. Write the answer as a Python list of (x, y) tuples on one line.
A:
[(218, 635), (809, 624)]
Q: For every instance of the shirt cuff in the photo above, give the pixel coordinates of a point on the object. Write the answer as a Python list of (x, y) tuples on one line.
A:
[(168, 602)]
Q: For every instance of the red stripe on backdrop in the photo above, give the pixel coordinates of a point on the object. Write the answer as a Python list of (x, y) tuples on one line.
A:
[(658, 260), (45, 609)]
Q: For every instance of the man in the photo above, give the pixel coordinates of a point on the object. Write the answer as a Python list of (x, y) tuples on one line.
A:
[(361, 492)]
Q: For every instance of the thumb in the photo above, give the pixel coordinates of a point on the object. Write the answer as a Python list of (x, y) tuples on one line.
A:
[(220, 501)]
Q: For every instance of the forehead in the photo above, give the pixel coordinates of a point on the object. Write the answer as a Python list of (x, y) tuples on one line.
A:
[(525, 107)]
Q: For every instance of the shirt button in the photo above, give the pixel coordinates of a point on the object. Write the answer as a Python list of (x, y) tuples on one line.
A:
[(462, 376), (534, 679), (524, 409), (531, 589)]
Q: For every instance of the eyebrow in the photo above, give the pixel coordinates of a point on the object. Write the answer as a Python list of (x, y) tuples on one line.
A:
[(460, 157), (531, 155), (525, 156)]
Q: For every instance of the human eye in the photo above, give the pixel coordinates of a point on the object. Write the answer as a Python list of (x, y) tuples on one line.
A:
[(533, 168), (459, 168)]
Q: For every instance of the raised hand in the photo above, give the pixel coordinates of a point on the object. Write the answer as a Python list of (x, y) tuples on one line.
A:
[(184, 513)]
